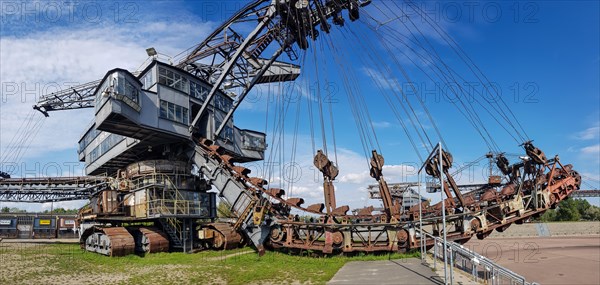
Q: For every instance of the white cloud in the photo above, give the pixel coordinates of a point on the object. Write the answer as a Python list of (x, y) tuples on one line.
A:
[(380, 80), (395, 173), (588, 134), (302, 191), (591, 150), (591, 176), (38, 63), (356, 178), (350, 185), (382, 124), (309, 183), (34, 63)]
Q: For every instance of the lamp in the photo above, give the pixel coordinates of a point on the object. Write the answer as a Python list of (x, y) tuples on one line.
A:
[(151, 51)]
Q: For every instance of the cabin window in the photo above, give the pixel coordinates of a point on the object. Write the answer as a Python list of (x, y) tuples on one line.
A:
[(198, 91), (222, 103), (173, 80), (107, 144), (87, 139), (127, 89), (148, 80), (226, 133), (174, 112)]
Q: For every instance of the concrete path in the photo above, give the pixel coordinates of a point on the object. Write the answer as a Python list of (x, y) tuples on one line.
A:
[(458, 276), (399, 271)]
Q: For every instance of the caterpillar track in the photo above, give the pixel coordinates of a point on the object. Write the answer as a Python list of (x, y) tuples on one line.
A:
[(121, 241), (112, 241), (151, 240)]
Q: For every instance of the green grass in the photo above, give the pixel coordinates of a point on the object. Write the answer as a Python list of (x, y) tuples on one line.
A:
[(57, 262)]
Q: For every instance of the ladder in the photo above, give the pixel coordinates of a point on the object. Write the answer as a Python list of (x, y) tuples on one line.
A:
[(171, 231)]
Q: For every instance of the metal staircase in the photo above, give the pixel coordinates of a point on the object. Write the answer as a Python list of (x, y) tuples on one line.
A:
[(170, 228)]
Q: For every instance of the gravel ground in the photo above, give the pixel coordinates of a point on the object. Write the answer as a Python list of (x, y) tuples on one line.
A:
[(555, 229), (549, 260)]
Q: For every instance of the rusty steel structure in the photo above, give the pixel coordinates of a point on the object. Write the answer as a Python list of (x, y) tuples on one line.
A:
[(146, 170), (533, 188)]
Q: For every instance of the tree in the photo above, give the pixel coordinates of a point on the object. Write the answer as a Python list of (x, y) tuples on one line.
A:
[(568, 213), (592, 214), (5, 210), (62, 211), (16, 210), (548, 216), (572, 210)]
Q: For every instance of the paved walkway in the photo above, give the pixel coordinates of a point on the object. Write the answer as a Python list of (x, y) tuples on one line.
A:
[(398, 271), (458, 276)]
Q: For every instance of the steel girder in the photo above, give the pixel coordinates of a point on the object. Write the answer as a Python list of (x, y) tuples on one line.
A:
[(42, 190)]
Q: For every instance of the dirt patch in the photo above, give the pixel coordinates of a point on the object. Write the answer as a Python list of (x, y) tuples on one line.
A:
[(83, 278), (219, 258)]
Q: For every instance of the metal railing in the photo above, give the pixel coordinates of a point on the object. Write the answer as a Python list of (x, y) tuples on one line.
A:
[(169, 202), (154, 180), (481, 268), (169, 207)]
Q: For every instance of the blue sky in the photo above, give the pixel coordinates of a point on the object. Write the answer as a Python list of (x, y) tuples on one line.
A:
[(543, 56)]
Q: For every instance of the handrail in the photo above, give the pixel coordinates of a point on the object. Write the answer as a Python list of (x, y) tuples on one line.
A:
[(477, 259), (174, 203), (175, 207)]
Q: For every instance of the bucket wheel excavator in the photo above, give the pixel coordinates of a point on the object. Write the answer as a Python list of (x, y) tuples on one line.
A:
[(163, 145)]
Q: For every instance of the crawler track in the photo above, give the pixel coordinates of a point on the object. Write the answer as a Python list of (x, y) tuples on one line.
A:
[(111, 241), (152, 240)]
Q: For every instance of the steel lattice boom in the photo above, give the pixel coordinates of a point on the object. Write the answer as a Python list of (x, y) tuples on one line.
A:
[(585, 193), (78, 97), (55, 189)]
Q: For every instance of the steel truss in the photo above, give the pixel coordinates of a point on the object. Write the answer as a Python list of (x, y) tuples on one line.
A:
[(57, 189)]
